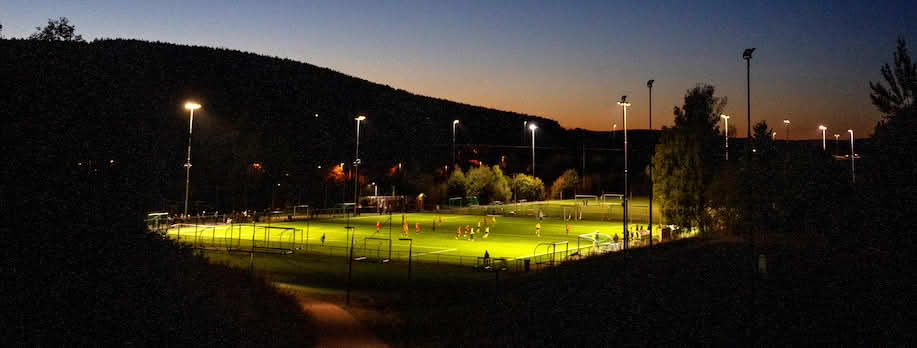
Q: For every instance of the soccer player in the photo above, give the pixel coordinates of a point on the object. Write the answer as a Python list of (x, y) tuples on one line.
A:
[(568, 228), (472, 235), (493, 219), (405, 230), (434, 225), (479, 224), (417, 227), (538, 229), (458, 232), (323, 239), (378, 225), (440, 219), (486, 232)]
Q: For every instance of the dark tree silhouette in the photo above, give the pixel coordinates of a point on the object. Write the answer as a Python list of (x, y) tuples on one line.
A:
[(893, 177), (58, 29), (686, 159), (897, 98)]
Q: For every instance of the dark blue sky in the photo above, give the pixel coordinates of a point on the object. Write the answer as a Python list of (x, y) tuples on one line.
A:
[(565, 60)]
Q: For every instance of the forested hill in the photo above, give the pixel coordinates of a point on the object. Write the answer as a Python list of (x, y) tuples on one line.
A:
[(122, 101)]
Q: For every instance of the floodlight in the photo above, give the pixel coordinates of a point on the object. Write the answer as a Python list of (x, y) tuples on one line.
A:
[(747, 53), (192, 106)]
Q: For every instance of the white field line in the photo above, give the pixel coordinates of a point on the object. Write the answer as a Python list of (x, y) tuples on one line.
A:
[(435, 252)]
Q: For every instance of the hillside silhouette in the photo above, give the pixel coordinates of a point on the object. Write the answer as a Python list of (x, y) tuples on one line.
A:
[(100, 96)]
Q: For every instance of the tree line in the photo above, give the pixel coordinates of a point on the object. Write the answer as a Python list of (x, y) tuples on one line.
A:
[(788, 188)]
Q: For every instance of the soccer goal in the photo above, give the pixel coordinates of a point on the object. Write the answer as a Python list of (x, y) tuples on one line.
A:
[(193, 233), (596, 243), (455, 201), (376, 250), (573, 213), (275, 239), (612, 198), (586, 200)]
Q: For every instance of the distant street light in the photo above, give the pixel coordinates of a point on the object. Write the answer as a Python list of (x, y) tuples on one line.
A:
[(454, 123), (533, 127), (356, 168), (649, 84), (190, 106), (853, 176), (614, 134), (774, 135), (786, 128), (726, 119), (822, 128), (836, 136), (624, 104)]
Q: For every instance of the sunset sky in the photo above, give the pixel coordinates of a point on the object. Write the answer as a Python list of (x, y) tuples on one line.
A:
[(566, 60)]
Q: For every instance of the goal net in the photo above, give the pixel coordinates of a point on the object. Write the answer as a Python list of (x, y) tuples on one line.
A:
[(375, 250), (573, 213), (586, 200), (612, 198), (275, 239), (191, 233), (596, 243)]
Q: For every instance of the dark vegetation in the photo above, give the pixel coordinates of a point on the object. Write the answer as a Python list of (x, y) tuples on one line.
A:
[(77, 265), (689, 292)]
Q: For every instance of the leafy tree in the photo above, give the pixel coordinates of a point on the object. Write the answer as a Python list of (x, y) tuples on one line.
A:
[(457, 185), (686, 159), (762, 142), (566, 181), (487, 183), (897, 98), (527, 187), (58, 29), (892, 181)]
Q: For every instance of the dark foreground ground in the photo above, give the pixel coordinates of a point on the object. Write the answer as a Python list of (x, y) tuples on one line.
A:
[(684, 293)]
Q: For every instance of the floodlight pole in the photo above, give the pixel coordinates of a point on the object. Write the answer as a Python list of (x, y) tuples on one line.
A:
[(726, 132), (410, 252), (356, 168), (649, 84), (624, 104), (836, 151), (786, 130), (752, 306), (853, 176), (349, 266), (190, 106), (533, 127), (454, 123), (822, 128)]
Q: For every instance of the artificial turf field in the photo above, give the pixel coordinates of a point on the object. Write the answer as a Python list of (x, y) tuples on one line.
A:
[(511, 237)]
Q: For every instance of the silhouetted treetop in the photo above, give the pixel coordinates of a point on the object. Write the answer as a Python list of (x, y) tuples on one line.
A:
[(901, 82), (58, 29)]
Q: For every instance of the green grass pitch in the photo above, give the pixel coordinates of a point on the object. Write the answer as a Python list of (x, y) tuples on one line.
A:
[(510, 237)]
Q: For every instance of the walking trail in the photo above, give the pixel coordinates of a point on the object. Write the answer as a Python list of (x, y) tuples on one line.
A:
[(335, 327)]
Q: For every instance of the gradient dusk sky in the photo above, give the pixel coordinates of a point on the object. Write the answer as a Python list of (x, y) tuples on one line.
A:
[(566, 60)]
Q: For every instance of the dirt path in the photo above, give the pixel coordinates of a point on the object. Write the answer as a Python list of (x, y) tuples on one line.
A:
[(337, 328)]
